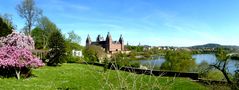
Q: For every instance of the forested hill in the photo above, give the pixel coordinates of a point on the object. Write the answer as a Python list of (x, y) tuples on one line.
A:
[(212, 45)]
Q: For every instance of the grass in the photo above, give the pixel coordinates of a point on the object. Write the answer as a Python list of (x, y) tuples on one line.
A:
[(88, 77)]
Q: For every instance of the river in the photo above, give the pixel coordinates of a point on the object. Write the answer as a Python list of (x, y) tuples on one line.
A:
[(199, 58)]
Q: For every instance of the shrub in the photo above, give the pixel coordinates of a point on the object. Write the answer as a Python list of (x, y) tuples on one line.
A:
[(215, 75), (94, 53), (121, 60), (72, 59)]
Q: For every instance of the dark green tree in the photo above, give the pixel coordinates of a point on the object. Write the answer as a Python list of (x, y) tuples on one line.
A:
[(57, 49), (5, 26)]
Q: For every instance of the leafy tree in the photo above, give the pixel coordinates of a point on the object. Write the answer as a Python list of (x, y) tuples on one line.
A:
[(5, 26), (43, 31), (57, 49), (135, 48), (178, 61), (73, 37), (94, 53), (47, 25), (39, 37), (28, 11)]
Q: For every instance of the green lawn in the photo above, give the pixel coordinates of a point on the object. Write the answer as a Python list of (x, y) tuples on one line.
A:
[(88, 77)]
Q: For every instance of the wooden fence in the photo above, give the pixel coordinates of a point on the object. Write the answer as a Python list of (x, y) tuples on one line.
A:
[(40, 53)]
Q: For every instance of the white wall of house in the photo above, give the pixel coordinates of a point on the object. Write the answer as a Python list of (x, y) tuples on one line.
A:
[(77, 53)]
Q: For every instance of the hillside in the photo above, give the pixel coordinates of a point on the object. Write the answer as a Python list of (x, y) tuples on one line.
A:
[(88, 77), (212, 45)]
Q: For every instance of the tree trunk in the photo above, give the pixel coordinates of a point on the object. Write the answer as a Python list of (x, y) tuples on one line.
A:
[(18, 72), (226, 76), (224, 73)]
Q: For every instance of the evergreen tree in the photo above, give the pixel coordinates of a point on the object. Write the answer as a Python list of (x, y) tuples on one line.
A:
[(57, 49)]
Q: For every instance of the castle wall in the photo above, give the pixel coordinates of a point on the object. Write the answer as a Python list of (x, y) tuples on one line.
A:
[(115, 47)]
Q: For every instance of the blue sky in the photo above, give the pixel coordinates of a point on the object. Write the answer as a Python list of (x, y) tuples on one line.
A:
[(149, 22)]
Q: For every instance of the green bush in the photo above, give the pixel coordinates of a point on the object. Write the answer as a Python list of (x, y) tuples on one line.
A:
[(203, 69), (72, 59), (215, 75), (94, 53), (179, 61), (121, 60)]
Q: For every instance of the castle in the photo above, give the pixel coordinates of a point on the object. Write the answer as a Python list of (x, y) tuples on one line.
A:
[(109, 45)]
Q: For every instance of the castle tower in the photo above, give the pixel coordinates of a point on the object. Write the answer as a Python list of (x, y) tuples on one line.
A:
[(88, 40), (109, 41), (121, 40), (98, 38)]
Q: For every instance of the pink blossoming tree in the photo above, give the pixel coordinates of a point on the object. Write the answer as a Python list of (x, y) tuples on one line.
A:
[(15, 53)]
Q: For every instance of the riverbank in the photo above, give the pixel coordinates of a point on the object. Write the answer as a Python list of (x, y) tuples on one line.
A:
[(199, 58)]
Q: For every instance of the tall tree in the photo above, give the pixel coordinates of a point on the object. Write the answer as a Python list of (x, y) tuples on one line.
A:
[(39, 37), (57, 49), (28, 11), (48, 27), (42, 32)]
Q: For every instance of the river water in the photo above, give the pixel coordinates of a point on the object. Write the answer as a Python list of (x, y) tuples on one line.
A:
[(209, 58)]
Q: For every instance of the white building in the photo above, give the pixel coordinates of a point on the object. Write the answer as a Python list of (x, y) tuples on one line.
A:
[(77, 53)]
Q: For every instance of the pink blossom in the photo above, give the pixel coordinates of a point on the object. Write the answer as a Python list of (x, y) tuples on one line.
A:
[(11, 56), (18, 40)]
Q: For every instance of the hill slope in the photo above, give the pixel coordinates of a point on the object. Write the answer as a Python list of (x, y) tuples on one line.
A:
[(88, 77)]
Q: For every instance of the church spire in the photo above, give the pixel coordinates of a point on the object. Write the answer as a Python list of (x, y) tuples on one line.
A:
[(98, 38), (88, 40), (121, 40), (108, 38)]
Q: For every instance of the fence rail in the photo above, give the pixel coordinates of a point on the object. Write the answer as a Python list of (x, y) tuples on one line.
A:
[(40, 53)]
